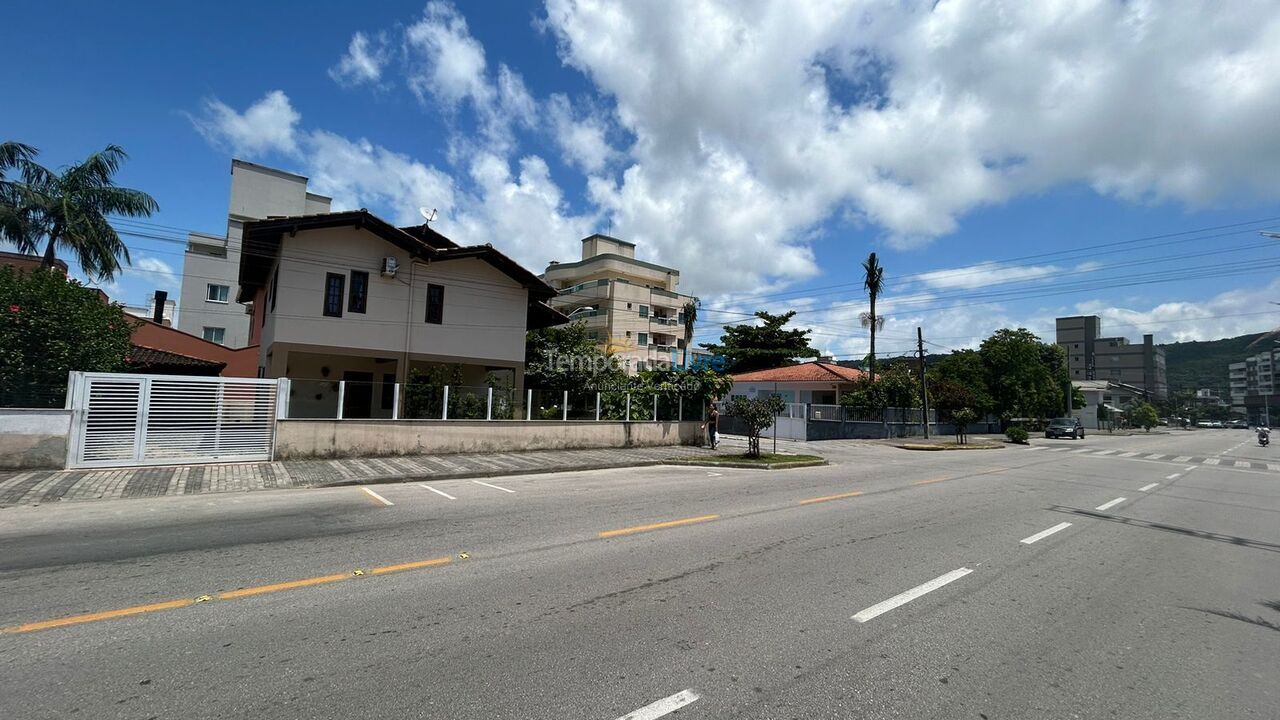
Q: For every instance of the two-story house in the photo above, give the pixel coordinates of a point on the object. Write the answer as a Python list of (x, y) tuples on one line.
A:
[(348, 296)]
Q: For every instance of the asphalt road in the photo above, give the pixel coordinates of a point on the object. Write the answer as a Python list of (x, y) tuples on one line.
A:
[(891, 584)]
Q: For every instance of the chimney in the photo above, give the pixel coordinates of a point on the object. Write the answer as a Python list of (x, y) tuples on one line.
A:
[(157, 315)]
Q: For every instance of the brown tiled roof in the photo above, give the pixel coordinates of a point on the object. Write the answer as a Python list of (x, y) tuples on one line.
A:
[(140, 356), (804, 372)]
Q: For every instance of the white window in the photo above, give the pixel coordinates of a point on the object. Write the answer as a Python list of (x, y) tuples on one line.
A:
[(215, 334), (217, 293)]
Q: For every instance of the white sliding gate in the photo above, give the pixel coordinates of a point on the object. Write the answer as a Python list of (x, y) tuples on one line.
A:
[(122, 419)]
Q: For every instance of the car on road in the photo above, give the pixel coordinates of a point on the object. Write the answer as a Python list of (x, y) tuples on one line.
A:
[(1065, 427)]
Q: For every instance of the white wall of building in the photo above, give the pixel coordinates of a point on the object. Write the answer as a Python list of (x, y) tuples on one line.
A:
[(257, 192), (485, 311)]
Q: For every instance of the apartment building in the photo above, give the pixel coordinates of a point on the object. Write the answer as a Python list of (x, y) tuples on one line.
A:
[(348, 296), (1093, 357), (631, 307), (1253, 385), (207, 305)]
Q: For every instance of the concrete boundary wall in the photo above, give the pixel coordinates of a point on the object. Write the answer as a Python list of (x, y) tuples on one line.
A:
[(299, 439), (33, 438)]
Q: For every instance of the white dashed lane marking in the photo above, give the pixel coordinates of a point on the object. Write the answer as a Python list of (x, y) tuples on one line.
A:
[(377, 497), (495, 487), (665, 706), (1045, 533), (1153, 486), (438, 492), (903, 598), (1111, 504)]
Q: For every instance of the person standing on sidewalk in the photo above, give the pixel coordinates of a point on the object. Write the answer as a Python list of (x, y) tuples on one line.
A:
[(712, 425)]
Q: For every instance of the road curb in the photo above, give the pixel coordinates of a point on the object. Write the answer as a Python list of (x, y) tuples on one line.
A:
[(749, 466), (470, 474), (943, 448)]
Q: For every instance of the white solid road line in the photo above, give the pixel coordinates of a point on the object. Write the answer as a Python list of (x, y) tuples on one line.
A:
[(438, 492), (377, 497), (662, 707), (906, 597), (1046, 533), (1153, 486), (495, 487), (1111, 504)]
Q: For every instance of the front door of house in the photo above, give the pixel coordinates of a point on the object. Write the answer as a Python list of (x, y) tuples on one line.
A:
[(357, 398)]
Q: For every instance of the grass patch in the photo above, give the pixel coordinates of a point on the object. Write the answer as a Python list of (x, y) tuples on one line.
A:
[(764, 459)]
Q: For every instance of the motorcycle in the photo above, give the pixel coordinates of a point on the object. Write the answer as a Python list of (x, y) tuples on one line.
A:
[(1264, 439)]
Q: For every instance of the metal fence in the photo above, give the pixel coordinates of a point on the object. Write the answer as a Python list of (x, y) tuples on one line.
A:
[(352, 400)]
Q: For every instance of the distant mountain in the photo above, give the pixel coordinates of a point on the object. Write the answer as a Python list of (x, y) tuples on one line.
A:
[(1203, 364)]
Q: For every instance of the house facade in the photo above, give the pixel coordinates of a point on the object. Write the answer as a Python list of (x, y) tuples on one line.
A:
[(349, 297), (207, 302), (816, 383), (631, 307)]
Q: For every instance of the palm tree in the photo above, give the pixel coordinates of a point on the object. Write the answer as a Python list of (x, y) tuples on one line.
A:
[(873, 283), (690, 311), (68, 210)]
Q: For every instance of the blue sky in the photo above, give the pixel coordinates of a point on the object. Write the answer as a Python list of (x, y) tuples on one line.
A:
[(761, 147)]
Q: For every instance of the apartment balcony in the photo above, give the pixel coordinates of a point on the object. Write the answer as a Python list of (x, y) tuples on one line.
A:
[(664, 321)]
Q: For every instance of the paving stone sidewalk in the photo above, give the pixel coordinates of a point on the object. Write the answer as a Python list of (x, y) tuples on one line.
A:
[(43, 486)]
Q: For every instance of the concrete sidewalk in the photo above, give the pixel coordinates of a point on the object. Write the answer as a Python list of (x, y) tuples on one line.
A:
[(43, 486)]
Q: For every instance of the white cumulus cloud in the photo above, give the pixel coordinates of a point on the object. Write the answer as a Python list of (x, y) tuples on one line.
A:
[(363, 61), (267, 125)]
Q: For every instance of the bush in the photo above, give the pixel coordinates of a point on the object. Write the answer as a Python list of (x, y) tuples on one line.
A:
[(1017, 435)]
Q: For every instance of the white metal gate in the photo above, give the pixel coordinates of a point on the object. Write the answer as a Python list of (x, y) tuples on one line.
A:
[(122, 419)]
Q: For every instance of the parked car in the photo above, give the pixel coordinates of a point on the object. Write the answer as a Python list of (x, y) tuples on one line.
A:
[(1065, 427), (1204, 423), (1238, 425)]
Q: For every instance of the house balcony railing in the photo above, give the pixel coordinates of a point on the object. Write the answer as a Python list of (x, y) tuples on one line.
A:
[(664, 321)]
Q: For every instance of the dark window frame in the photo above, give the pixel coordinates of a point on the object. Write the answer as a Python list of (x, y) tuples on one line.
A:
[(333, 301), (435, 304), (363, 294)]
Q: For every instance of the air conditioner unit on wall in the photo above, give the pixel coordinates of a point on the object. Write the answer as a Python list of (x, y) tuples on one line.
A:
[(389, 266)]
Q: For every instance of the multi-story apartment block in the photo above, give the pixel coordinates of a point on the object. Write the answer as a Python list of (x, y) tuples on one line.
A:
[(1092, 357), (1253, 385), (631, 307), (207, 304)]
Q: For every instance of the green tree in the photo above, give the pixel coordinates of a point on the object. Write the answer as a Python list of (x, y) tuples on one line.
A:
[(962, 419), (564, 358), (763, 346), (68, 210), (873, 283), (965, 369), (49, 326), (690, 315), (1025, 376), (756, 414), (1144, 416)]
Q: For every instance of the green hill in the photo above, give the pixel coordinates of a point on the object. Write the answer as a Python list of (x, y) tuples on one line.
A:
[(1203, 364)]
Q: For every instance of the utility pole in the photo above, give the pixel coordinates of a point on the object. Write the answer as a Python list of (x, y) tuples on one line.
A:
[(924, 386)]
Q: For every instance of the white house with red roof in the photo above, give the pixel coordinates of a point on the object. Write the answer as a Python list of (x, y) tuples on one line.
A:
[(817, 383)]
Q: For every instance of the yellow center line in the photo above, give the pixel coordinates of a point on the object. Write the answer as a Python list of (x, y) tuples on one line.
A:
[(276, 587), (228, 595), (929, 482), (657, 526), (825, 498), (93, 617), (410, 566)]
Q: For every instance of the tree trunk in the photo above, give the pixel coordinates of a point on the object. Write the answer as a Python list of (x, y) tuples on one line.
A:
[(873, 337), (49, 258)]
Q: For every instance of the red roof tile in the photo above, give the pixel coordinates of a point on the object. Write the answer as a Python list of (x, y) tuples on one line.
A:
[(804, 372)]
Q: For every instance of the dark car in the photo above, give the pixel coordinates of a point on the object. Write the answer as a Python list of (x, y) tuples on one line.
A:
[(1064, 427)]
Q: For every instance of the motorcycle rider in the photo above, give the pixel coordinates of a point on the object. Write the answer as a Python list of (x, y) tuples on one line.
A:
[(1264, 435)]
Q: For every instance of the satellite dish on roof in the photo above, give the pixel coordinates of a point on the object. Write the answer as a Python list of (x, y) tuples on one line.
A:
[(426, 214)]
